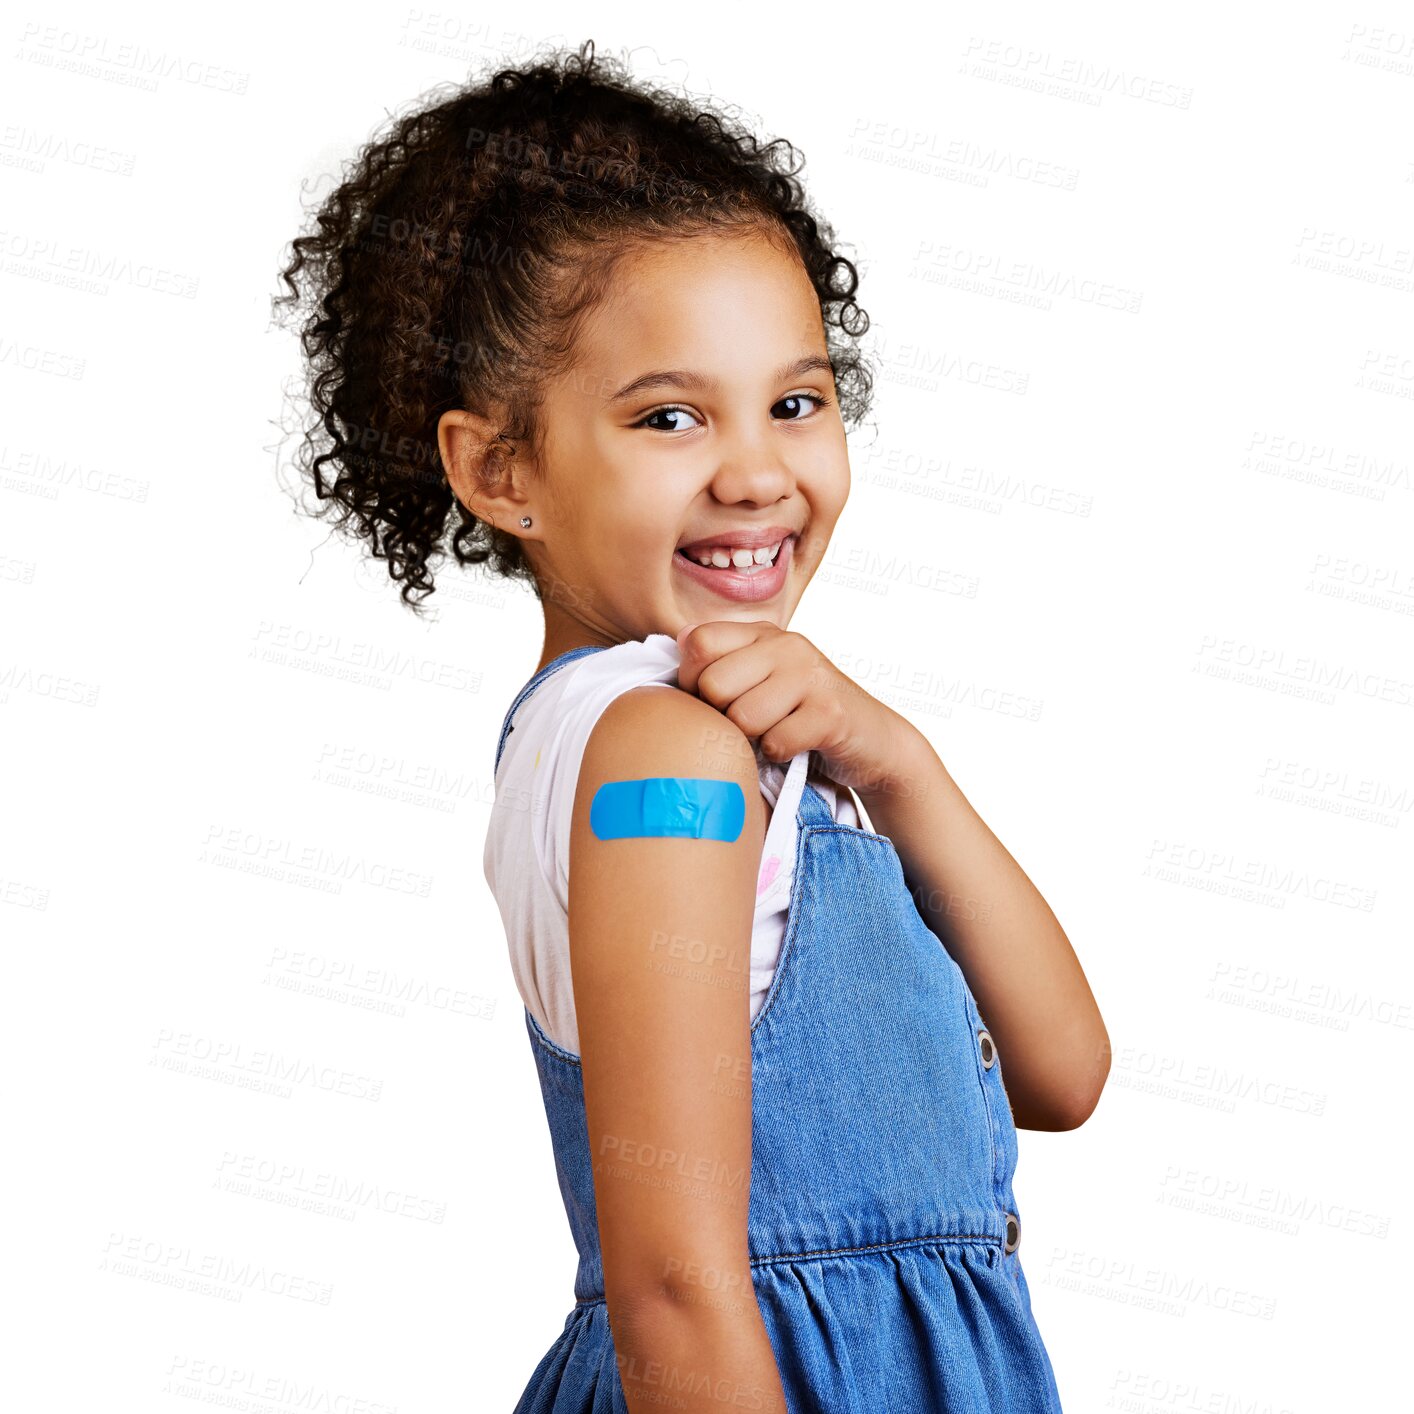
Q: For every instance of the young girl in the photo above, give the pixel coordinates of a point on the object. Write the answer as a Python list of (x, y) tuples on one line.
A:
[(594, 334)]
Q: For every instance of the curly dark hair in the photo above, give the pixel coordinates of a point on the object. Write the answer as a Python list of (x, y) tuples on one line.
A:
[(453, 265)]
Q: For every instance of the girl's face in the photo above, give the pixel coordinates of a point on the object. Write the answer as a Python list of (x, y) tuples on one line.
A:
[(701, 413)]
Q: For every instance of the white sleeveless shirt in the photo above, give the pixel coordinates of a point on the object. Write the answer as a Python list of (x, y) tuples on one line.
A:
[(526, 857)]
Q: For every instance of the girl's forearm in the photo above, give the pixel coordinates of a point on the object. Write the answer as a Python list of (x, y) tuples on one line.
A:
[(696, 1358), (1025, 976)]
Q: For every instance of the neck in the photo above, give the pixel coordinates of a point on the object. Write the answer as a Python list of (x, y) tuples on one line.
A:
[(563, 633)]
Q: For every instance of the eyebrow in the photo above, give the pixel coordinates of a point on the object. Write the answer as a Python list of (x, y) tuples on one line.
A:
[(686, 378)]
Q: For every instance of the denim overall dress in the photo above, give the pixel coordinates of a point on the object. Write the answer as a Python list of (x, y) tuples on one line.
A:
[(882, 1228)]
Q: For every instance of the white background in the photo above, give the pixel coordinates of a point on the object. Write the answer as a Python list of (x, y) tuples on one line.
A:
[(1129, 540)]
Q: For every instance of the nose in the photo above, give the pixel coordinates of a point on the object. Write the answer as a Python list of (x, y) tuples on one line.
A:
[(752, 471)]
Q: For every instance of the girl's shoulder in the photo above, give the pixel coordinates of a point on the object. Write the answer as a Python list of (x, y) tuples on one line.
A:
[(642, 662), (639, 660), (583, 687), (590, 683), (550, 730)]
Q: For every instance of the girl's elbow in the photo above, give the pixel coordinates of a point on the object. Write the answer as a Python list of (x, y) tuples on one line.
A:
[(1090, 1083), (1068, 1095), (1075, 1114)]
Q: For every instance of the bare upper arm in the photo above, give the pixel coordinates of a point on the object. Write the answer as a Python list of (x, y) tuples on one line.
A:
[(660, 945)]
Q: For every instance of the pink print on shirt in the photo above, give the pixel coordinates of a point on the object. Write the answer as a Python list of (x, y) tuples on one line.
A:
[(768, 872)]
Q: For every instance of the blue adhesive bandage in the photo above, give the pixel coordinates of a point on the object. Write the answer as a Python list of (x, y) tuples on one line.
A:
[(671, 806)]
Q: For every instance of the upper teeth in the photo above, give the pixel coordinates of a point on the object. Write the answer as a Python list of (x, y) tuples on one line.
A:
[(722, 556)]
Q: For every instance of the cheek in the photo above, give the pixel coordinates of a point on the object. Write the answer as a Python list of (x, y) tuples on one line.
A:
[(828, 494), (556, 501)]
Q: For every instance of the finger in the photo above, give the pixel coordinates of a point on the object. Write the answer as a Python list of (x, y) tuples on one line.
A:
[(761, 708), (739, 669), (801, 730), (702, 643), (687, 679)]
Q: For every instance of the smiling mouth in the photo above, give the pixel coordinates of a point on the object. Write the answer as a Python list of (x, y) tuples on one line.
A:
[(733, 572), (739, 559)]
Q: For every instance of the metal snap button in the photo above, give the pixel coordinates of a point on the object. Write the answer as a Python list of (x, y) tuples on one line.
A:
[(989, 1050), (1013, 1234)]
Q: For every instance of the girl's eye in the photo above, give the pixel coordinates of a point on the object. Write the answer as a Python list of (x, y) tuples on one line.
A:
[(795, 402), (664, 412)]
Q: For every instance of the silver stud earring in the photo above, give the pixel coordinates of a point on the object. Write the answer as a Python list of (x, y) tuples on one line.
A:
[(525, 521)]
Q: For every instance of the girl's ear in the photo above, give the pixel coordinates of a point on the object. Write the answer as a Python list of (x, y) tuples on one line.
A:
[(478, 466)]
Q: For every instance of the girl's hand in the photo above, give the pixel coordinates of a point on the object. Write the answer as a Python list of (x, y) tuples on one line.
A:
[(778, 687)]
